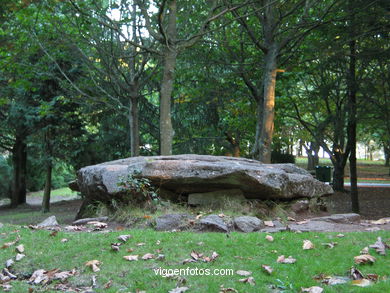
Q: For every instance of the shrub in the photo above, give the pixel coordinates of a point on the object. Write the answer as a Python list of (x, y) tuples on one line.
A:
[(279, 157)]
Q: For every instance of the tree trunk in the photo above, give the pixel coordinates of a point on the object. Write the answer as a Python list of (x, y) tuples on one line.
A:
[(352, 88), (49, 167), (19, 159), (47, 191), (134, 126), (170, 54), (312, 155), (386, 150), (338, 177), (269, 104), (259, 126)]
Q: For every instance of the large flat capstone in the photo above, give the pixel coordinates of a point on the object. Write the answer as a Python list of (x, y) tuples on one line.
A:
[(186, 174)]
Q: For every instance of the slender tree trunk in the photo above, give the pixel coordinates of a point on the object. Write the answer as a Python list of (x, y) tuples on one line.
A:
[(312, 155), (47, 191), (269, 104), (19, 159), (170, 55), (352, 113), (134, 126), (49, 167)]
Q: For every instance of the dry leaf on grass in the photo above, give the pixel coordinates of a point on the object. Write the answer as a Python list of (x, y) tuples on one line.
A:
[(307, 244), (364, 250), (222, 289), (283, 259), (179, 290), (267, 269), (64, 240), (243, 273), (108, 284), (356, 274), (364, 258), (313, 289), (148, 256), (124, 238), (94, 265), (330, 244), (249, 280), (19, 248), (9, 263), (340, 235), (8, 244), (291, 219), (115, 246), (141, 244), (8, 274), (53, 234), (221, 215), (131, 257), (302, 222), (269, 238), (380, 246), (19, 256), (362, 283), (269, 223)]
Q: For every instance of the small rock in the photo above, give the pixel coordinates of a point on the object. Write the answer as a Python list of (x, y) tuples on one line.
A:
[(213, 223), (170, 222), (247, 224), (49, 222)]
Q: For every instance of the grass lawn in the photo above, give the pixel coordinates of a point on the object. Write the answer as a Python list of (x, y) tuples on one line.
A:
[(237, 252), (65, 192)]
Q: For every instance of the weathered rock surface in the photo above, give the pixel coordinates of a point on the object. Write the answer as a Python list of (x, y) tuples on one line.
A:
[(86, 220), (171, 222), (186, 174), (340, 218), (300, 206), (213, 223), (278, 227), (216, 198), (48, 222), (247, 224)]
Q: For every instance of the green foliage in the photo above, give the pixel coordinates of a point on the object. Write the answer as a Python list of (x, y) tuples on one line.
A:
[(6, 177), (138, 189), (279, 157)]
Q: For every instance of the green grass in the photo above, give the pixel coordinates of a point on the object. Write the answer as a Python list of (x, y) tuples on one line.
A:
[(65, 191), (238, 252)]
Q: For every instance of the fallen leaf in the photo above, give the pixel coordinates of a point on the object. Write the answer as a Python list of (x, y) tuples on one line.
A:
[(19, 248), (53, 234), (131, 257), (115, 246), (356, 274), (63, 276), (291, 219), (268, 269), (307, 244), (39, 277), (330, 244), (222, 215), (19, 256), (269, 238), (214, 255), (222, 289), (6, 287), (63, 240), (124, 238), (7, 273), (158, 242), (313, 289), (148, 256), (380, 246), (362, 283), (302, 222), (179, 290), (188, 260), (108, 284), (147, 217), (283, 259), (160, 257), (97, 224), (335, 280), (243, 273), (364, 250), (340, 235), (269, 223), (364, 258), (130, 249), (382, 221), (249, 280), (195, 255), (372, 277), (9, 263), (140, 244), (200, 243), (94, 265)]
